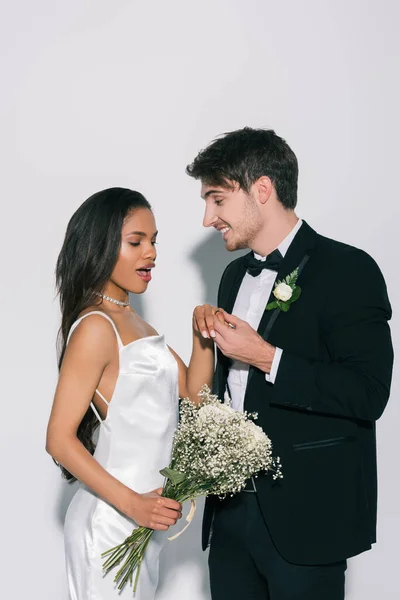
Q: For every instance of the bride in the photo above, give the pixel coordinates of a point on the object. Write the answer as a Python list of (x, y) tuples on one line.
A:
[(117, 374)]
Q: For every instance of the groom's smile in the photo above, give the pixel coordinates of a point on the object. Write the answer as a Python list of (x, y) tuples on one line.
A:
[(223, 228), (235, 204), (224, 232)]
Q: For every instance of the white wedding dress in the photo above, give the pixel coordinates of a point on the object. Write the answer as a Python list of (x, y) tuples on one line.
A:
[(134, 443)]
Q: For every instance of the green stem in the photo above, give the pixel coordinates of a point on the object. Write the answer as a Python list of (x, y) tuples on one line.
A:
[(129, 555), (131, 552)]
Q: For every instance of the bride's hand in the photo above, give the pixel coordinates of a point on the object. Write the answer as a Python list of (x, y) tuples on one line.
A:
[(154, 511), (204, 317)]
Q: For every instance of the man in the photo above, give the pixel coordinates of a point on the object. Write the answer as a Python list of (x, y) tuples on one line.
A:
[(316, 367)]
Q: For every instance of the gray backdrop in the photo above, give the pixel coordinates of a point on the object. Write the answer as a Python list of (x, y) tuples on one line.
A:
[(99, 93)]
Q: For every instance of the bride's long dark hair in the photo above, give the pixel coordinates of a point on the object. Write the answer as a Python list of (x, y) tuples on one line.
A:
[(85, 264)]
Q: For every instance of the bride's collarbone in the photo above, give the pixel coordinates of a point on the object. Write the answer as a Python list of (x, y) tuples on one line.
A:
[(131, 327)]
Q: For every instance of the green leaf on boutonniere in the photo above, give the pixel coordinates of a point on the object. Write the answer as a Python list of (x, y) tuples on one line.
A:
[(271, 305), (284, 306), (292, 278), (295, 295)]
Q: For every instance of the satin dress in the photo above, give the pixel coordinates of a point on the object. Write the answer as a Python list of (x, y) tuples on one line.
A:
[(134, 444)]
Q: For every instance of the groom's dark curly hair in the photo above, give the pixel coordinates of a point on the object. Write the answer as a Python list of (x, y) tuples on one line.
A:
[(245, 155)]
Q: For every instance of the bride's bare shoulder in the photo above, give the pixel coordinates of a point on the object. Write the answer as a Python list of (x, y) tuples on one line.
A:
[(93, 329)]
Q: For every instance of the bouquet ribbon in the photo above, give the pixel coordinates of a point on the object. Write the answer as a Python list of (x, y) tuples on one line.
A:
[(189, 519)]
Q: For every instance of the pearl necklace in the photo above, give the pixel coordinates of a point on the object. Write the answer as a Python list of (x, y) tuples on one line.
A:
[(119, 302)]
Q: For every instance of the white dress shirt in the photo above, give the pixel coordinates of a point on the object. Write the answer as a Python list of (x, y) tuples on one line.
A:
[(249, 306)]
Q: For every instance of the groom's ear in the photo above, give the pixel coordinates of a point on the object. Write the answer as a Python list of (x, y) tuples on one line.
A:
[(262, 189)]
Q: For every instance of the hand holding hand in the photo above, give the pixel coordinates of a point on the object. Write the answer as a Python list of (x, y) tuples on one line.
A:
[(204, 318), (241, 342)]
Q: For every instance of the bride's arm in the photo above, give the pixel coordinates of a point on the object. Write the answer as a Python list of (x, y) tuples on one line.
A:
[(89, 352), (201, 365)]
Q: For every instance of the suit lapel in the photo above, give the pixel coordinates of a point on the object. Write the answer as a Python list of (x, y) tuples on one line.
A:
[(227, 297), (296, 256)]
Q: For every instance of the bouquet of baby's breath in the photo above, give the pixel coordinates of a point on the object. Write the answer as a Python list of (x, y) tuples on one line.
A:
[(216, 450)]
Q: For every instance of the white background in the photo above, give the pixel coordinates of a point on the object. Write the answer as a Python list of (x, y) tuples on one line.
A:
[(101, 93)]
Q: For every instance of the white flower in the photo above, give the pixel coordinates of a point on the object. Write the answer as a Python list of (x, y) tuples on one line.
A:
[(283, 292), (218, 448), (217, 412)]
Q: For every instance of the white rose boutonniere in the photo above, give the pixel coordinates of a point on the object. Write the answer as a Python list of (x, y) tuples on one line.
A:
[(283, 292), (286, 292)]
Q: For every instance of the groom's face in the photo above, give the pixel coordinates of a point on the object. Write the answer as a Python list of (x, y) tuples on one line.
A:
[(233, 212)]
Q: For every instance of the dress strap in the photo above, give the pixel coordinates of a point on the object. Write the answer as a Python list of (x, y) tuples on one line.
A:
[(120, 345), (106, 402), (97, 312), (94, 409)]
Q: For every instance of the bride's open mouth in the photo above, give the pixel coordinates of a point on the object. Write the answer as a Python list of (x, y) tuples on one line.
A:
[(144, 274)]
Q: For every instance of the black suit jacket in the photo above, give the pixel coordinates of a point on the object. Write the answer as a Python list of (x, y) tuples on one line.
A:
[(332, 385)]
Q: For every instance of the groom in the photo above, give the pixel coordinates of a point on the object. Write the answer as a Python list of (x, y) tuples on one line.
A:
[(316, 369)]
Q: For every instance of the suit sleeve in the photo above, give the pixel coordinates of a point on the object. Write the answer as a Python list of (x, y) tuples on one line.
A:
[(355, 381)]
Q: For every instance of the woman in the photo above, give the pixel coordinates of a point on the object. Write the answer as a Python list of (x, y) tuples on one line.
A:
[(118, 374)]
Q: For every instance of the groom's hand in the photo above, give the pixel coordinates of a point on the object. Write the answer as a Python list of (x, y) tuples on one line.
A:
[(237, 340)]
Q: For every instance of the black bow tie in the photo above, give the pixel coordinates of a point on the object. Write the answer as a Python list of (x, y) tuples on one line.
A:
[(272, 262)]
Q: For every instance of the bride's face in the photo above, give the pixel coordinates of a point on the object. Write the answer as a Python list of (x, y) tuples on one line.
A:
[(137, 253)]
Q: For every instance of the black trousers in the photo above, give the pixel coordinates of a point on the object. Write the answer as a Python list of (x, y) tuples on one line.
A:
[(245, 565)]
